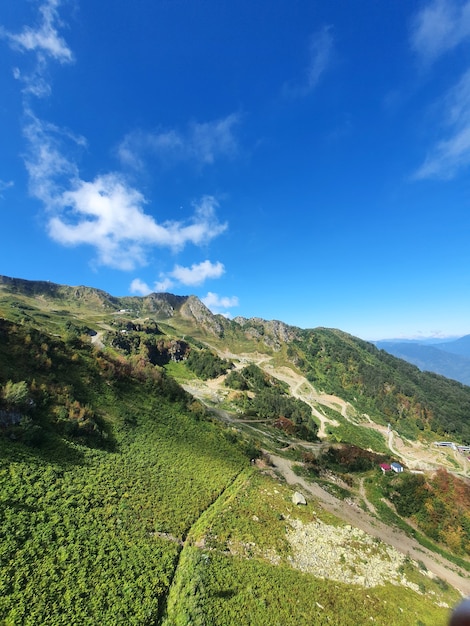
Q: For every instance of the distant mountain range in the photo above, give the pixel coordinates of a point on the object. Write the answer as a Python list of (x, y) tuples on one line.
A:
[(449, 358)]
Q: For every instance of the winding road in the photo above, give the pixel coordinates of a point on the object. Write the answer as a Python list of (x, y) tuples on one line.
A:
[(412, 455)]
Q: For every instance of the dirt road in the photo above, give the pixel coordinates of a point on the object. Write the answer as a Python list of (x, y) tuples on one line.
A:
[(355, 516), (411, 452)]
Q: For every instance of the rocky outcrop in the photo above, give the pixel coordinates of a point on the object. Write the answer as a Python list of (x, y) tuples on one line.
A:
[(165, 351), (298, 498), (162, 305), (193, 309), (273, 333)]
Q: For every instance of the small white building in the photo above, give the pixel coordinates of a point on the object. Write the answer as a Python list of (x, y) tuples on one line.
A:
[(396, 467)]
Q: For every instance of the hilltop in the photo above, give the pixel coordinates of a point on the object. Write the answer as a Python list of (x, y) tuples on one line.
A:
[(150, 445)]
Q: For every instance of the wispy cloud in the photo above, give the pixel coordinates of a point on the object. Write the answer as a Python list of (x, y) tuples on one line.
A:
[(320, 55), (439, 27), (4, 185), (45, 158), (452, 152), (219, 304), (106, 213), (201, 144), (194, 275), (45, 42), (45, 37)]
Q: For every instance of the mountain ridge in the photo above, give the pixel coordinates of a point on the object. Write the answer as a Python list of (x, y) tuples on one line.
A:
[(339, 363), (139, 439)]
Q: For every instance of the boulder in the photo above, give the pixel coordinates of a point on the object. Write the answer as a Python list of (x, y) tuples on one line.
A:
[(298, 498)]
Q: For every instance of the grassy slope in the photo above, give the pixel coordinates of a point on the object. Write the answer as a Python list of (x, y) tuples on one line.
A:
[(93, 535), (232, 574), (95, 538)]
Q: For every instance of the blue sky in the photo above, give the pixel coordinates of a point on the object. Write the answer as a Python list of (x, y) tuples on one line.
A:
[(298, 160)]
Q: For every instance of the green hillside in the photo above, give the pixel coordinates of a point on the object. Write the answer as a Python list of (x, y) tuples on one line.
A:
[(387, 388), (125, 501)]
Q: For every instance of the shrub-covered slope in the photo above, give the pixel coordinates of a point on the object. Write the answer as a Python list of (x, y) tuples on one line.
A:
[(104, 467), (122, 502), (383, 386)]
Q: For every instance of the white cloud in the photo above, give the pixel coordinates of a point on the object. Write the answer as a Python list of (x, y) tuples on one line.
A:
[(106, 213), (217, 303), (45, 42), (201, 144), (440, 26), (320, 54), (452, 152), (197, 273), (163, 285), (139, 287), (214, 300)]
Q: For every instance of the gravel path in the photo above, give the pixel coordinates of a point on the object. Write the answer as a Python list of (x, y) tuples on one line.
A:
[(355, 516)]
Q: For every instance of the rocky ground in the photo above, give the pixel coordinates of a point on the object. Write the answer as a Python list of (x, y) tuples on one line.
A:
[(372, 528), (346, 554)]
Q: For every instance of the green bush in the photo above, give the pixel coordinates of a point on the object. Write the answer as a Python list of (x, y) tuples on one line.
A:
[(207, 365)]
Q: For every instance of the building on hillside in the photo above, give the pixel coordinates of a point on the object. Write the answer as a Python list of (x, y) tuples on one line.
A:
[(446, 444), (385, 467), (396, 467)]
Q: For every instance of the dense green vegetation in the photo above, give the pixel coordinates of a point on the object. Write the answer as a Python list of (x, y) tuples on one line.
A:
[(269, 399), (252, 378), (123, 502), (91, 528), (205, 364), (96, 541), (439, 505), (389, 389)]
